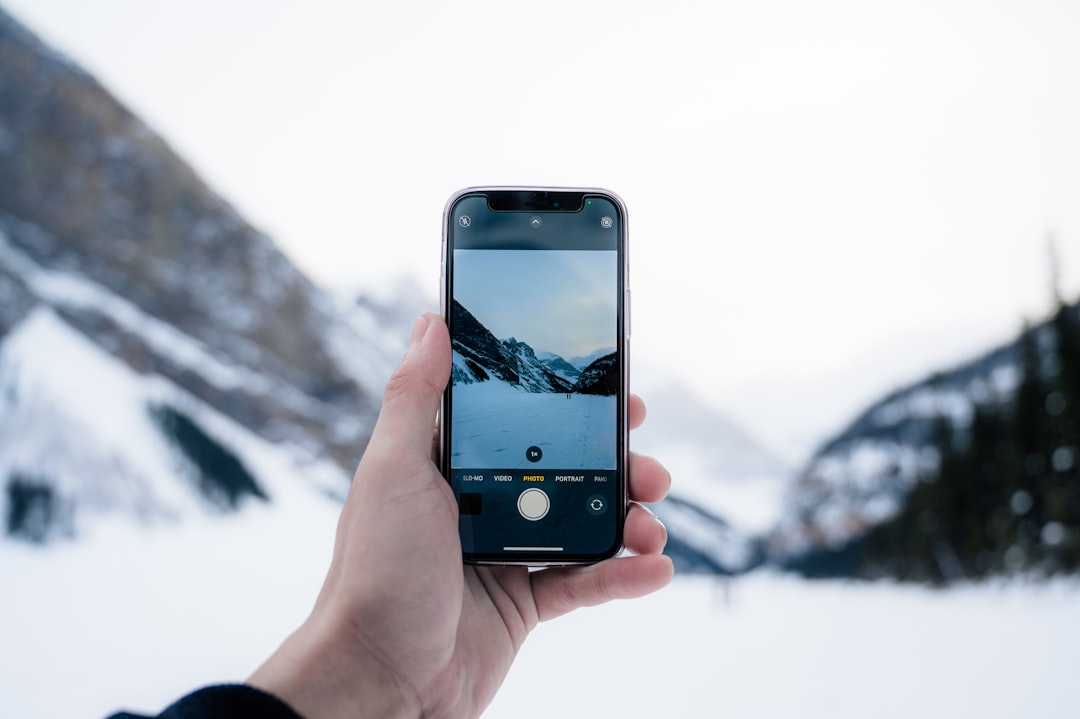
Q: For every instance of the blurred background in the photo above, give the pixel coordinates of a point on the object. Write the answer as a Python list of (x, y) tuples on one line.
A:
[(855, 261)]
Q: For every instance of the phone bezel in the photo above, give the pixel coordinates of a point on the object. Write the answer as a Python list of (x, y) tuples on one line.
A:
[(549, 195)]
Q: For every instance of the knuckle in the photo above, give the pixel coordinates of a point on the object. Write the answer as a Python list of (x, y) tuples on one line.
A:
[(399, 383), (407, 380)]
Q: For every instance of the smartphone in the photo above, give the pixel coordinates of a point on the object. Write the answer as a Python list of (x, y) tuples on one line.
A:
[(534, 419)]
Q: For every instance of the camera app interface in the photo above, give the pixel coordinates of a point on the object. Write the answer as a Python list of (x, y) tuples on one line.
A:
[(536, 369)]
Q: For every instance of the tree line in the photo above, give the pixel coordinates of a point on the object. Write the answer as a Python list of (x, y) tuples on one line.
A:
[(1005, 495)]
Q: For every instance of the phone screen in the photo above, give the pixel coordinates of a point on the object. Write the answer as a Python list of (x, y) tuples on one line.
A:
[(534, 430)]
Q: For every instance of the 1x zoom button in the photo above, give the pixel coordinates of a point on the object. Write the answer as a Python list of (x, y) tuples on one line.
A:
[(533, 504)]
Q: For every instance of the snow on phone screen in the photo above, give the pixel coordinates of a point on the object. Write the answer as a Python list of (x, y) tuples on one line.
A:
[(534, 442)]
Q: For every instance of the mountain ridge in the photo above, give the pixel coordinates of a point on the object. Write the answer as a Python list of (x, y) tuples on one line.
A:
[(106, 234), (480, 356), (967, 473)]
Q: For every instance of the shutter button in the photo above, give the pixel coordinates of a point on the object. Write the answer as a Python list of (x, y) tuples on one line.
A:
[(533, 504)]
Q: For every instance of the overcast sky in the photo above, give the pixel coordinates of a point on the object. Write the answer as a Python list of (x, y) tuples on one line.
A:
[(555, 301), (826, 198)]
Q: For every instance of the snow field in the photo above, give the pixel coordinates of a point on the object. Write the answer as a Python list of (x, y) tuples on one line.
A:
[(494, 419), (135, 618), (774, 646)]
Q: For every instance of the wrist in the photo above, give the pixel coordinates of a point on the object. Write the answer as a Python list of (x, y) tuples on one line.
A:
[(322, 675)]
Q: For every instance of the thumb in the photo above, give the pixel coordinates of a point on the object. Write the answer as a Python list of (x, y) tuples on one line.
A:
[(414, 392)]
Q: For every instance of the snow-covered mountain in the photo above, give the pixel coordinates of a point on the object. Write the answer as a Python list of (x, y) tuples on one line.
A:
[(976, 444), (861, 476), (479, 356), (726, 490), (147, 332), (580, 363), (702, 541), (559, 366), (600, 377)]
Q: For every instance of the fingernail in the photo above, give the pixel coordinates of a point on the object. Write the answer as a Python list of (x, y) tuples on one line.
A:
[(419, 330), (657, 520), (651, 513)]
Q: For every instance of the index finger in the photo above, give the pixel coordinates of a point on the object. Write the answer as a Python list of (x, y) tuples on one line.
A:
[(649, 480), (636, 409)]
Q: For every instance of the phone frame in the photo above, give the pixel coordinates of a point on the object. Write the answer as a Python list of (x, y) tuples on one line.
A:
[(622, 401)]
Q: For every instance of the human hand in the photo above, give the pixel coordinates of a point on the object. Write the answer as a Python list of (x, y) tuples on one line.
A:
[(402, 627)]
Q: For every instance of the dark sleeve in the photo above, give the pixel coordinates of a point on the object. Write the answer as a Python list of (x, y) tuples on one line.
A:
[(227, 701)]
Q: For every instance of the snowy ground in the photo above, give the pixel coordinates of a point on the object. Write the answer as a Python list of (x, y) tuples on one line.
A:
[(493, 419), (770, 646), (134, 618)]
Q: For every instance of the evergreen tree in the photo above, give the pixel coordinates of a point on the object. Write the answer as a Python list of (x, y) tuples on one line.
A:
[(1004, 496), (1029, 431), (1060, 532)]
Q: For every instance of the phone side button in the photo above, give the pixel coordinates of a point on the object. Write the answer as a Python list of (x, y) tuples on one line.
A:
[(533, 504)]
